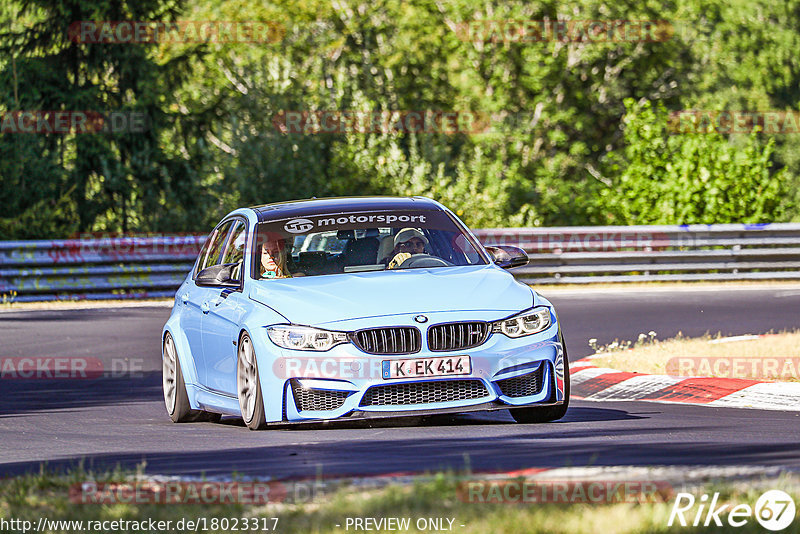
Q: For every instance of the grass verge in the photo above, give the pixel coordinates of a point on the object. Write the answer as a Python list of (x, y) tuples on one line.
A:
[(29, 498), (769, 357)]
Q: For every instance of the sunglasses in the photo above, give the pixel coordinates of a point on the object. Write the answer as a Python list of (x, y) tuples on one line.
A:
[(413, 244)]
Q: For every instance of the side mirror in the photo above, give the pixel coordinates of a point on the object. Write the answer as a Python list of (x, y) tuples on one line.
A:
[(220, 275), (508, 257)]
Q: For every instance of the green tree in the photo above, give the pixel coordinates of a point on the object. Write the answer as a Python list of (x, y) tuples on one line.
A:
[(561, 143), (117, 181), (689, 178)]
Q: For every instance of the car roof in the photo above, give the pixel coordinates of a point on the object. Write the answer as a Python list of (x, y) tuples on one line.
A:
[(325, 206)]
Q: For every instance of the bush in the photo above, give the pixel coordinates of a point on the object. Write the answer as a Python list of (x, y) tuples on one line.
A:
[(690, 178)]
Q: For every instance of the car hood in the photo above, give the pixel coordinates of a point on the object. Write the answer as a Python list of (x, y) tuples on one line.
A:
[(315, 300)]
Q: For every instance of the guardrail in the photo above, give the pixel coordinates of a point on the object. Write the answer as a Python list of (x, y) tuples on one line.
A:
[(581, 255), (98, 268), (145, 267)]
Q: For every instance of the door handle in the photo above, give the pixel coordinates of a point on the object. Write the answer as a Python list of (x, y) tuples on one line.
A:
[(205, 307), (185, 298)]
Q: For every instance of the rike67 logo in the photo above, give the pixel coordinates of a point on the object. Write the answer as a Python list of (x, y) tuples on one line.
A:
[(774, 510)]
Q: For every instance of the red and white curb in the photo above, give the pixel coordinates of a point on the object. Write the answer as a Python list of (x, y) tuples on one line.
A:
[(592, 383)]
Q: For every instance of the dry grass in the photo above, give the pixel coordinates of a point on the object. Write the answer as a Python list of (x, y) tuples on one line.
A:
[(770, 357)]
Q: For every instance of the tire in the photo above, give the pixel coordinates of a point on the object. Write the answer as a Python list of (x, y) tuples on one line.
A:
[(176, 399), (248, 386), (545, 414)]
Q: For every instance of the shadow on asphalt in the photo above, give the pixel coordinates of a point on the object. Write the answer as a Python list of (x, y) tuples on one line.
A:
[(419, 454), (48, 395), (424, 444)]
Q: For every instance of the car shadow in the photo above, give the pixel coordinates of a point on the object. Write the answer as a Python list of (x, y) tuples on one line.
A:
[(420, 452), (498, 417)]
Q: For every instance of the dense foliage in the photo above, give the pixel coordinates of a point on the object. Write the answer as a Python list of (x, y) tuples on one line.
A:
[(578, 130)]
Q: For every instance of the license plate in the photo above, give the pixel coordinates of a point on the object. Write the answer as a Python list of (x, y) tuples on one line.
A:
[(452, 365)]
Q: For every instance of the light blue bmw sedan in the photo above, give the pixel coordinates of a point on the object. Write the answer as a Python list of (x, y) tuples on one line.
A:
[(349, 308)]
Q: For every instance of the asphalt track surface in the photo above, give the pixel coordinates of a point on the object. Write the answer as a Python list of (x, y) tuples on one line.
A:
[(105, 422)]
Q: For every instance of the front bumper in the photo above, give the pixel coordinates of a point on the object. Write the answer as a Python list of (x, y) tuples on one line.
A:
[(303, 397), (506, 373)]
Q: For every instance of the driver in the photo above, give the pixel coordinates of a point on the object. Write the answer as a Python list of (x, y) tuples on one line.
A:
[(407, 242)]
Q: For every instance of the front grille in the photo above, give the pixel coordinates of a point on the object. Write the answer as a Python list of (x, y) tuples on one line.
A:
[(317, 399), (424, 392), (523, 386), (392, 340), (457, 336)]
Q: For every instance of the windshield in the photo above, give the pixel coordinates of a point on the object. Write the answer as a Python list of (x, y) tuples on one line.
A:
[(361, 241)]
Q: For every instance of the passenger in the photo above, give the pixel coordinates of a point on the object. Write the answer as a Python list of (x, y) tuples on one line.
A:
[(273, 261), (407, 242)]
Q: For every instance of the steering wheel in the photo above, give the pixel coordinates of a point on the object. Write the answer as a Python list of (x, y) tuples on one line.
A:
[(423, 260)]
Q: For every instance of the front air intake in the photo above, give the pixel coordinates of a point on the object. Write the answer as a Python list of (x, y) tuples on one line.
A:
[(307, 399), (523, 386), (424, 392)]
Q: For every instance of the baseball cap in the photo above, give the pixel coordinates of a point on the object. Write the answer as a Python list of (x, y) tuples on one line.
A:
[(409, 233)]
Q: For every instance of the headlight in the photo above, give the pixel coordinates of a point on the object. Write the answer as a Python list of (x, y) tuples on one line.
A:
[(305, 337), (524, 324)]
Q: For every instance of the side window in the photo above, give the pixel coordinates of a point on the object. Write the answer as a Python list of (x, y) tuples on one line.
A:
[(203, 253), (463, 245), (210, 253), (234, 250)]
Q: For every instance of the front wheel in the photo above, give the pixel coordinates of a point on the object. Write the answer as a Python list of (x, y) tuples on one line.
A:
[(251, 402), (545, 414)]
